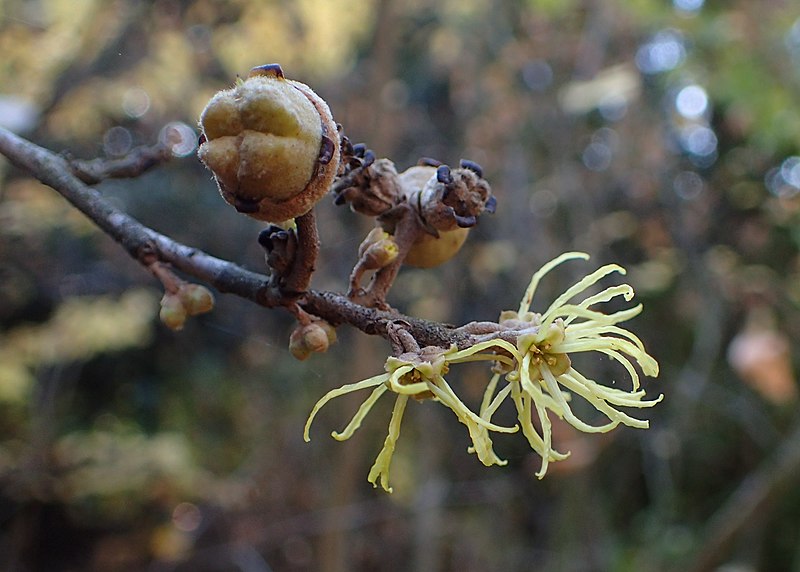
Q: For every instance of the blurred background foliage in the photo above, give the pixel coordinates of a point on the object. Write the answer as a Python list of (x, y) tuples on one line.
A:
[(661, 135)]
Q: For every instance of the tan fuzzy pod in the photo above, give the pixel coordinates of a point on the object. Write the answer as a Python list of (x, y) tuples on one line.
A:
[(273, 108), (269, 166), (221, 116), (429, 251), (272, 145), (223, 159)]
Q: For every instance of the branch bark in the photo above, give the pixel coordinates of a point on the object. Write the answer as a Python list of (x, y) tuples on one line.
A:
[(146, 245)]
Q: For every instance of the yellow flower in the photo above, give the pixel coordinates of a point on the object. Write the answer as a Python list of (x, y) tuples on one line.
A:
[(532, 351), (420, 375), (543, 378)]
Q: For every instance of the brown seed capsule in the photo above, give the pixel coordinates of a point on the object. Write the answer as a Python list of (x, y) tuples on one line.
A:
[(272, 145)]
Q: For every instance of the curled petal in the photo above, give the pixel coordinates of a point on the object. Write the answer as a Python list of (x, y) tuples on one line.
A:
[(566, 410), (539, 274), (580, 286), (345, 389), (363, 409), (380, 469)]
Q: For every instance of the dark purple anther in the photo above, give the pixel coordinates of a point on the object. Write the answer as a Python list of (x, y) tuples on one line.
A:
[(269, 70), (266, 236), (245, 205), (326, 150), (491, 205), (443, 175), (347, 147), (472, 166), (428, 162), (369, 158), (359, 149), (465, 221)]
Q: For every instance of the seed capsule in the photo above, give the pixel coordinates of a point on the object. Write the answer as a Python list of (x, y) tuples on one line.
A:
[(272, 145)]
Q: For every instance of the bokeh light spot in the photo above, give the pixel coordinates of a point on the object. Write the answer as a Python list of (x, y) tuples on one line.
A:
[(135, 102), (117, 141), (692, 102), (613, 108), (699, 140), (537, 75), (597, 156), (784, 181), (186, 517), (790, 171), (688, 6), (793, 39), (664, 52), (688, 185), (179, 137)]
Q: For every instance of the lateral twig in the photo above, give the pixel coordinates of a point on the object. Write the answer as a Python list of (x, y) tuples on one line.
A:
[(146, 246)]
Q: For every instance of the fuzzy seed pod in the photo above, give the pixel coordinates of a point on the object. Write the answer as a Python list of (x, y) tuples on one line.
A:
[(272, 145)]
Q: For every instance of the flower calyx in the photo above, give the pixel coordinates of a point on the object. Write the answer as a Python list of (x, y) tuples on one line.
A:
[(271, 144)]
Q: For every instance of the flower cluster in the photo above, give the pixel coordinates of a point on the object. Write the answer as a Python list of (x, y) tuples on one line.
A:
[(531, 353)]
